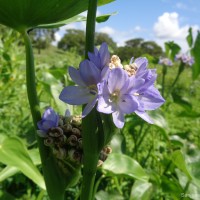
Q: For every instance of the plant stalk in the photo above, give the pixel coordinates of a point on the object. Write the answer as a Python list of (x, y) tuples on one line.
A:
[(180, 70), (53, 179), (91, 122)]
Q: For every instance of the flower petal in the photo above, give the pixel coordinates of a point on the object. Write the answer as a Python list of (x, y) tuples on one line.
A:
[(128, 104), (104, 55), (117, 80), (75, 95), (89, 106), (75, 76), (118, 119), (144, 116), (50, 115), (89, 73), (104, 106), (152, 99)]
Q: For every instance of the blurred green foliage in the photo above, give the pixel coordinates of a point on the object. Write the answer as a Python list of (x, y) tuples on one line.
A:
[(159, 161)]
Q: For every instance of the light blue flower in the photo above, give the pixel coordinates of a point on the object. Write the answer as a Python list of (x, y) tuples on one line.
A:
[(49, 119)]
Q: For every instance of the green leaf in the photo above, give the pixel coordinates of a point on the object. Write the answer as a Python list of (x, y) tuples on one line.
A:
[(179, 160), (159, 122), (105, 17), (196, 53), (7, 172), (77, 18), (14, 153), (141, 191), (120, 164), (102, 195), (182, 101), (171, 49), (189, 38), (25, 14)]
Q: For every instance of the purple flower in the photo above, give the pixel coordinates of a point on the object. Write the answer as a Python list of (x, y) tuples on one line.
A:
[(165, 61), (100, 58), (122, 94), (49, 119), (185, 58), (86, 77), (115, 97)]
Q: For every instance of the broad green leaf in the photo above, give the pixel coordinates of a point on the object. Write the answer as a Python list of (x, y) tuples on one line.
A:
[(9, 171), (171, 49), (24, 14), (189, 38), (14, 153), (102, 195), (196, 53), (121, 164), (141, 191), (179, 160)]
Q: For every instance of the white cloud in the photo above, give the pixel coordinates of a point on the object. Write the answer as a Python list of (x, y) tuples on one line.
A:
[(107, 29), (168, 28)]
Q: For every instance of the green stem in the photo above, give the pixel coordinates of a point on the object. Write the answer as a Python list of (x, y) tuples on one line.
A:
[(53, 179), (91, 124), (180, 70), (164, 72), (90, 27)]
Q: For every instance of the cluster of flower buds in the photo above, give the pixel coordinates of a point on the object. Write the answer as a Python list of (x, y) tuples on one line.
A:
[(165, 61), (187, 59), (116, 89), (63, 135)]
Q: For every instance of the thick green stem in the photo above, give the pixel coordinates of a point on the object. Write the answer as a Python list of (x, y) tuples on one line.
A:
[(91, 122), (53, 180)]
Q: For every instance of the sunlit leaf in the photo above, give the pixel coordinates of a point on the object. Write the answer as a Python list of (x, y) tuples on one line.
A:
[(179, 160), (196, 53), (14, 153), (189, 38), (7, 172), (121, 164), (172, 49), (102, 195), (141, 191), (105, 17)]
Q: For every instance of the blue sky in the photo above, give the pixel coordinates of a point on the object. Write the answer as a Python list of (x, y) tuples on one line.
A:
[(158, 20)]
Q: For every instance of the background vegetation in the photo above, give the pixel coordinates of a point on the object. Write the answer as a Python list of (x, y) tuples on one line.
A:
[(168, 152)]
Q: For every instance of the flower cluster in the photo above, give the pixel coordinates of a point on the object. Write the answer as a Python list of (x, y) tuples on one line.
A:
[(165, 61), (116, 89), (187, 59), (63, 135)]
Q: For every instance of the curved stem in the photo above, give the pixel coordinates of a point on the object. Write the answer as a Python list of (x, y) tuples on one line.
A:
[(53, 179)]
